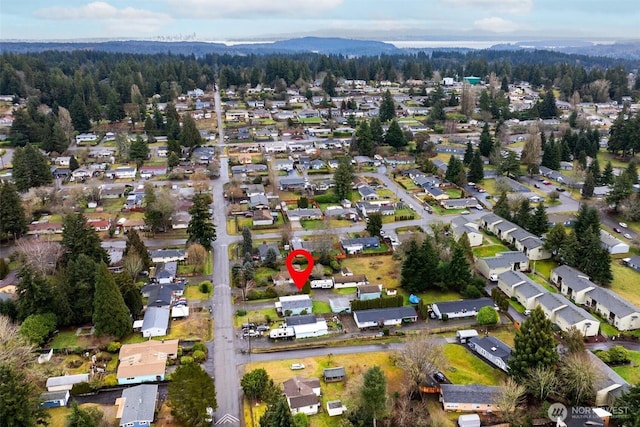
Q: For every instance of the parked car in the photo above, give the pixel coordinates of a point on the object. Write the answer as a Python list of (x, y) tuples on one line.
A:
[(623, 224), (439, 376), (628, 236), (527, 312), (545, 182), (536, 185), (297, 366), (560, 189), (617, 230)]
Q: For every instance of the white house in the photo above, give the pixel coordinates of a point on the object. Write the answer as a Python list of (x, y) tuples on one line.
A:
[(350, 281), (307, 326), (614, 309), (613, 244), (566, 315), (460, 308), (503, 261), (156, 322), (572, 283), (492, 349), (65, 382), (392, 316), (302, 395), (461, 225), (293, 305)]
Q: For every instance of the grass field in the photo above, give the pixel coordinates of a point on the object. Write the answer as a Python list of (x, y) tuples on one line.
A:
[(465, 368), (489, 251), (192, 292), (354, 364), (378, 269), (432, 296), (58, 416), (544, 267), (542, 282), (625, 282), (321, 307), (255, 316), (631, 372)]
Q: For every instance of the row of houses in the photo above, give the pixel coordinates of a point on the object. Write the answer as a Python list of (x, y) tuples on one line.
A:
[(530, 244)]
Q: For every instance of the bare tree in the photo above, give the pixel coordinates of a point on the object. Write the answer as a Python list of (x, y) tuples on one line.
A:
[(437, 416), (196, 256), (421, 358), (467, 99), (166, 204), (133, 264), (577, 379), (64, 117), (15, 349), (541, 381), (511, 400), (41, 255), (200, 181)]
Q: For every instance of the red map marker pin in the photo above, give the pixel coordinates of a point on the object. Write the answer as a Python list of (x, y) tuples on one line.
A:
[(299, 276)]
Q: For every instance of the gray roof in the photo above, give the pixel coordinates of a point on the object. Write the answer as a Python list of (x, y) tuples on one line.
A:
[(365, 241), (462, 203), (67, 380), (493, 346), (491, 218), (505, 259), (608, 240), (521, 234), (139, 404), (613, 302), (378, 314), (156, 317), (609, 377), (434, 191), (297, 304), (511, 278), (365, 191), (258, 199), (463, 305), (552, 301), (264, 248), (530, 289), (505, 226), (532, 242), (573, 314), (334, 372), (472, 393), (573, 278), (292, 180), (306, 319), (339, 304), (168, 253)]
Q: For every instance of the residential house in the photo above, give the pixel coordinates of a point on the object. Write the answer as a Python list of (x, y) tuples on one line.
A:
[(122, 172), (302, 395), (469, 398), (263, 249), (137, 406), (340, 305), (335, 408), (609, 384), (367, 193), (86, 137), (517, 285), (147, 172), (461, 225), (436, 193), (284, 165), (307, 326), (460, 308), (565, 314), (501, 262), (180, 220), (166, 272), (62, 161), (168, 255), (366, 208), (470, 202), (282, 278), (317, 164), (258, 201), (80, 174), (368, 292), (65, 382), (332, 375), (341, 213), (99, 225), (614, 309), (613, 244), (162, 295), (379, 317), (9, 283), (359, 244), (304, 214), (155, 322), (146, 361), (254, 190), (350, 281), (493, 350), (633, 262), (262, 217), (54, 399), (294, 305), (572, 283), (292, 183)]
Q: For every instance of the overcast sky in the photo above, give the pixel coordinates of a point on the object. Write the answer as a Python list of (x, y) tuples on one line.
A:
[(269, 19)]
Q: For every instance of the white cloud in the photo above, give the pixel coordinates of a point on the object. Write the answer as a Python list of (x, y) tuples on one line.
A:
[(495, 24), (135, 20), (503, 6), (250, 8)]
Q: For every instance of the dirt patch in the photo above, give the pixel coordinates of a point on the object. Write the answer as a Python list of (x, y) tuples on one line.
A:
[(164, 418), (348, 324)]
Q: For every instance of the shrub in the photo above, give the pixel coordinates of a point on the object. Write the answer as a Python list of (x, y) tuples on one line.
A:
[(114, 347), (199, 356), (103, 357), (186, 360), (205, 287), (81, 388), (385, 332), (111, 380), (199, 346), (241, 313), (471, 291), (487, 316), (270, 292)]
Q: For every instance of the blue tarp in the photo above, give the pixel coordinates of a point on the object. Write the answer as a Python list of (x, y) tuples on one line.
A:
[(414, 299)]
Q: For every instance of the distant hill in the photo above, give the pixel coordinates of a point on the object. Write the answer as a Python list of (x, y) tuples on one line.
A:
[(323, 45), (621, 50)]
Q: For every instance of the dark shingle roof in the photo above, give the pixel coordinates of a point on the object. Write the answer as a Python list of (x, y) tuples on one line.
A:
[(378, 314), (472, 393), (304, 319), (462, 305)]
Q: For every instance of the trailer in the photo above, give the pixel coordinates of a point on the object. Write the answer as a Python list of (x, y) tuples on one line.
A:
[(282, 333), (322, 284)]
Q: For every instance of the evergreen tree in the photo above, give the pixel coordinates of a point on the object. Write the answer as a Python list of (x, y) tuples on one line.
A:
[(73, 163), (587, 221), (79, 417), (630, 400), (510, 165), (468, 154), (501, 208), (343, 178), (588, 186), (277, 414), (189, 135), (476, 168), (548, 108), (247, 241), (79, 238), (30, 168), (394, 136), (13, 221), (453, 169), (539, 223), (387, 107), (534, 345), (189, 394), (34, 294), (110, 313), (374, 225), (486, 142), (19, 399), (139, 150), (80, 290), (173, 160), (411, 267), (594, 168), (607, 175), (135, 244), (79, 115), (458, 271), (377, 133), (522, 216), (329, 85), (373, 394), (130, 293), (201, 229), (364, 139), (555, 239)]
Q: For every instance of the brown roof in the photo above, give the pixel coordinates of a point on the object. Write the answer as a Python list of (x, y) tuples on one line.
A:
[(262, 214), (369, 289), (146, 358), (300, 392), (349, 279)]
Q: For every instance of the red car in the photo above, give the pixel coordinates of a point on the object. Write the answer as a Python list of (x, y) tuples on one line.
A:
[(546, 182)]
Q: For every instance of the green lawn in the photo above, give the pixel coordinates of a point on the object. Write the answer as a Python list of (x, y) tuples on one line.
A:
[(264, 274), (321, 307), (65, 339), (631, 372), (544, 267), (192, 292), (454, 193), (515, 304), (255, 316), (432, 296), (311, 121), (465, 368), (489, 251), (625, 282), (406, 182), (542, 282)]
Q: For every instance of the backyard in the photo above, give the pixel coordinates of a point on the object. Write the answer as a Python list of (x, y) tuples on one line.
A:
[(625, 281), (378, 269), (630, 372), (466, 368)]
